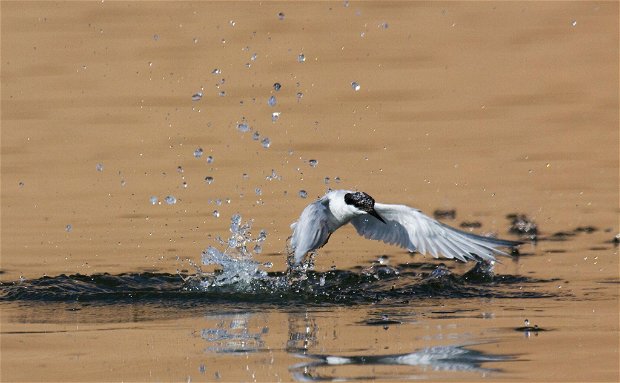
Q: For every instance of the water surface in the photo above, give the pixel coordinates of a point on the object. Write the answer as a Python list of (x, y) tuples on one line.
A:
[(132, 132)]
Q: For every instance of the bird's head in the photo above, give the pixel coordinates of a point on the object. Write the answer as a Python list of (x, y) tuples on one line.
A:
[(363, 203)]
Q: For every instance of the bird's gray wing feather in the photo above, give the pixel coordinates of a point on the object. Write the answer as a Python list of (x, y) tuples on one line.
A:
[(311, 231), (411, 229)]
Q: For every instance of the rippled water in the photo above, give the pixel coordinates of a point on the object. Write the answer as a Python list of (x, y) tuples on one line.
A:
[(395, 285), (239, 278)]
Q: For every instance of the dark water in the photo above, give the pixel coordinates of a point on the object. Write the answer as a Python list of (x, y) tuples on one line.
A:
[(377, 284)]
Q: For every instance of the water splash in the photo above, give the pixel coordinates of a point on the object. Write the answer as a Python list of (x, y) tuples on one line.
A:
[(236, 264)]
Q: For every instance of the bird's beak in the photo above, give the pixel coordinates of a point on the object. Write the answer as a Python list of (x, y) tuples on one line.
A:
[(376, 215)]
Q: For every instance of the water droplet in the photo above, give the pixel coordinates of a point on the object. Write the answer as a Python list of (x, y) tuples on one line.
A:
[(548, 165), (243, 127), (272, 101), (216, 71), (273, 176), (326, 180), (216, 214), (255, 136), (99, 167), (303, 194), (258, 191), (184, 184), (232, 23), (210, 159), (254, 57), (266, 142), (527, 323), (197, 96), (281, 15), (258, 249), (277, 86), (170, 200), (156, 37), (209, 180), (573, 23), (68, 228), (355, 86), (21, 184), (383, 25), (195, 40), (180, 169), (198, 153), (275, 116), (313, 163), (337, 179), (301, 58), (262, 235), (123, 183), (299, 96), (154, 200), (222, 94), (245, 176)]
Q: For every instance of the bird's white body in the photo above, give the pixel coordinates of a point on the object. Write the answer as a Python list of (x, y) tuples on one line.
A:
[(402, 226)]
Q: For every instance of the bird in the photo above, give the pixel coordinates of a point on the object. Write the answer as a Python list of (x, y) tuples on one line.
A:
[(398, 225)]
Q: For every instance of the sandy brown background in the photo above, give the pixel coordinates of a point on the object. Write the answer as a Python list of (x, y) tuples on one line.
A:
[(486, 107)]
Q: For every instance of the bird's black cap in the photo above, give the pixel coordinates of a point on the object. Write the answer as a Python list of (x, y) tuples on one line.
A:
[(363, 202)]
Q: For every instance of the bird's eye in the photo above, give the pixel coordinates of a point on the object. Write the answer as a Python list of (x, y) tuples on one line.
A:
[(348, 199)]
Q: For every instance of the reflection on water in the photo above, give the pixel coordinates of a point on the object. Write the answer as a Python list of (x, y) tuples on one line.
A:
[(439, 358), (242, 333), (233, 334)]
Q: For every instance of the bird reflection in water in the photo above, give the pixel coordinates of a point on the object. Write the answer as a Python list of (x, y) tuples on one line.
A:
[(247, 333), (439, 358)]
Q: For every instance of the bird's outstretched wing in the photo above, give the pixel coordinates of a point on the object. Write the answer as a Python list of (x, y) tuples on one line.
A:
[(311, 230), (411, 229)]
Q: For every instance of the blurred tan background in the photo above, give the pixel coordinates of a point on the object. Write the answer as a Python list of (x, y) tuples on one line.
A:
[(485, 107)]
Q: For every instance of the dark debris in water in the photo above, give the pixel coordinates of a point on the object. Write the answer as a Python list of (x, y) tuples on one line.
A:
[(534, 328), (586, 229), (523, 226), (396, 285), (383, 321), (444, 214), (470, 225)]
